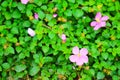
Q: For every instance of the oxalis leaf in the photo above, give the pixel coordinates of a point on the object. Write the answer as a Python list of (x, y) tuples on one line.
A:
[(19, 68), (51, 35), (77, 13), (47, 59), (10, 50), (100, 75), (45, 49), (34, 70)]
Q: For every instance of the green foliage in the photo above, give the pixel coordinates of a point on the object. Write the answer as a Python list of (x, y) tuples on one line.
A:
[(100, 75), (19, 68), (45, 56)]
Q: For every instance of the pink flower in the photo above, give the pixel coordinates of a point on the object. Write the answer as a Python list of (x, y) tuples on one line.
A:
[(24, 1), (35, 15), (54, 15), (99, 21), (31, 32), (63, 37), (79, 56)]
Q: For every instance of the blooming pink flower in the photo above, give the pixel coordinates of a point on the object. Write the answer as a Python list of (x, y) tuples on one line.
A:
[(63, 37), (79, 56), (35, 15), (99, 21), (54, 15), (24, 1), (31, 32)]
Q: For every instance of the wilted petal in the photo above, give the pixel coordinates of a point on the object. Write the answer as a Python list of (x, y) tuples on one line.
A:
[(104, 18), (83, 51), (31, 32), (73, 58), (103, 24), (93, 23), (75, 50), (24, 1), (35, 15), (98, 16), (97, 27), (84, 59), (79, 61)]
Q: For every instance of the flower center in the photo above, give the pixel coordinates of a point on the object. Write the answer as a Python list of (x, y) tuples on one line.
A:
[(98, 20), (78, 55)]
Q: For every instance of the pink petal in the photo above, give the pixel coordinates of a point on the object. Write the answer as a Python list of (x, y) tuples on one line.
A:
[(97, 26), (103, 24), (73, 58), (104, 18), (93, 23), (98, 16), (84, 59), (54, 15), (31, 32), (79, 61), (63, 37), (75, 50), (83, 51), (24, 1), (35, 15)]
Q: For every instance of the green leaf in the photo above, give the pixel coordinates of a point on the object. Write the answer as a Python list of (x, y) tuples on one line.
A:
[(0, 68), (61, 58), (4, 3), (39, 30), (26, 24), (45, 49), (18, 49), (47, 59), (49, 17), (117, 5), (115, 77), (10, 50), (44, 7), (7, 15), (77, 13), (34, 70), (52, 22), (38, 2), (41, 14), (6, 65), (100, 75), (29, 13), (2, 27), (105, 55), (19, 68), (36, 58), (20, 6), (72, 1), (1, 51), (21, 55), (68, 12), (4, 73), (51, 35), (16, 14), (2, 40), (14, 30), (65, 4)]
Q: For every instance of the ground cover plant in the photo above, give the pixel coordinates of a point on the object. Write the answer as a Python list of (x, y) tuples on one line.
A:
[(59, 40)]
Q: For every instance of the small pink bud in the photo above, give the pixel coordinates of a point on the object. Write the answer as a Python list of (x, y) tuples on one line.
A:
[(35, 15), (54, 15), (63, 37)]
